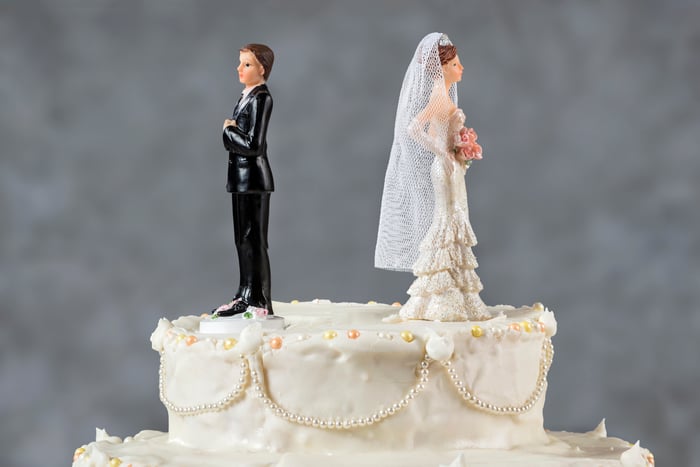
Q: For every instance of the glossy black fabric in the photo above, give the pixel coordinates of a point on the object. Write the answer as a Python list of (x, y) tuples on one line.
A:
[(250, 220), (248, 167), (250, 183)]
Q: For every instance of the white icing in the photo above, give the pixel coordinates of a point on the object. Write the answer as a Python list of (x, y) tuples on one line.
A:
[(187, 322), (370, 385), (152, 448), (393, 389), (102, 435), (547, 317), (95, 456), (159, 335), (636, 456), (459, 461), (600, 431), (438, 347), (251, 339)]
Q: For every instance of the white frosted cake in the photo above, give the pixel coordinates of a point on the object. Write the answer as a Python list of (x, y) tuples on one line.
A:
[(347, 384)]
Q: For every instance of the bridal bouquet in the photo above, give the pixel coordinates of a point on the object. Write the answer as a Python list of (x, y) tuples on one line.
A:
[(465, 146)]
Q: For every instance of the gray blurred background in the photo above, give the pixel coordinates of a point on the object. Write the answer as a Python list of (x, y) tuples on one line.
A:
[(114, 211)]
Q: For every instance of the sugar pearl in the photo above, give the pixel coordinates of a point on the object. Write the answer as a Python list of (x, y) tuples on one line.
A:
[(276, 343), (78, 452), (230, 343)]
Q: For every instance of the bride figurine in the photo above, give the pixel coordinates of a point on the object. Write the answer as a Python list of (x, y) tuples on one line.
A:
[(424, 222)]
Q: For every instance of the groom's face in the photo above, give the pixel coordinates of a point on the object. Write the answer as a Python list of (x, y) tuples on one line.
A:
[(250, 71)]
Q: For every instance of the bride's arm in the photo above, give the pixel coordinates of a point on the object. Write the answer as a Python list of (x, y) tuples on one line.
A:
[(430, 127), (419, 130)]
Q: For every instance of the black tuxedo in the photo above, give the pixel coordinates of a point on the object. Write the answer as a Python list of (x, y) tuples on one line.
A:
[(248, 167), (250, 184)]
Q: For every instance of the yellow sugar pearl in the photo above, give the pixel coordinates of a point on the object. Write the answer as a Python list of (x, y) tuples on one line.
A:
[(353, 334), (78, 452), (527, 326), (181, 337), (276, 343), (295, 302), (116, 462), (407, 336), (396, 304), (229, 343), (538, 306), (328, 335), (190, 340), (371, 302), (477, 331)]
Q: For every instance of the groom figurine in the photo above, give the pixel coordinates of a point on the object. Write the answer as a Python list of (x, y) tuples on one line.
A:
[(250, 182)]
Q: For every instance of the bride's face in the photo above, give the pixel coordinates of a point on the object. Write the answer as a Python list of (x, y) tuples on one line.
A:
[(452, 71)]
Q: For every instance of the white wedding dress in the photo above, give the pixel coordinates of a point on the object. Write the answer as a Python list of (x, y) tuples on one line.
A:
[(424, 219), (447, 286)]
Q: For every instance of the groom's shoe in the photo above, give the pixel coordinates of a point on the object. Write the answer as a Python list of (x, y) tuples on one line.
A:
[(240, 306), (258, 305), (228, 309)]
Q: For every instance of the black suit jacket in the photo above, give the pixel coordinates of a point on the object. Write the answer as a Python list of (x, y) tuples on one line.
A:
[(248, 167)]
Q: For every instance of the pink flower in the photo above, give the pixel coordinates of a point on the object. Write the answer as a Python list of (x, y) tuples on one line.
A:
[(466, 148)]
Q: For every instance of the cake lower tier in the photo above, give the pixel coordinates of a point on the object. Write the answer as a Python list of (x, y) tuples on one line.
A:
[(153, 448)]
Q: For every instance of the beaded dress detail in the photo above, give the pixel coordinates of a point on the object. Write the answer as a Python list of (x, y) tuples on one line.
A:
[(447, 287)]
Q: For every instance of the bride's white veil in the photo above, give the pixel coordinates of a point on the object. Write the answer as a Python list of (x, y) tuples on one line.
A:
[(419, 133)]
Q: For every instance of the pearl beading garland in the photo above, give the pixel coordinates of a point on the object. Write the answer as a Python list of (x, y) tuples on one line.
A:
[(472, 399), (228, 399), (373, 418), (336, 423)]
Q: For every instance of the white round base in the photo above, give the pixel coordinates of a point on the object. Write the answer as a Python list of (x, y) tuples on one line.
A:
[(236, 323)]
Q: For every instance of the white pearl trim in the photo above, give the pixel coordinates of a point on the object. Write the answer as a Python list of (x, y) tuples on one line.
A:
[(222, 404), (472, 399), (336, 423)]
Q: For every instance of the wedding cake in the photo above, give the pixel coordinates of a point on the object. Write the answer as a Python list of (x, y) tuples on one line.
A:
[(351, 384), (442, 381)]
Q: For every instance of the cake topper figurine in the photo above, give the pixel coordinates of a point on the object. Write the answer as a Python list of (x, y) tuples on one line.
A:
[(424, 222), (250, 183)]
